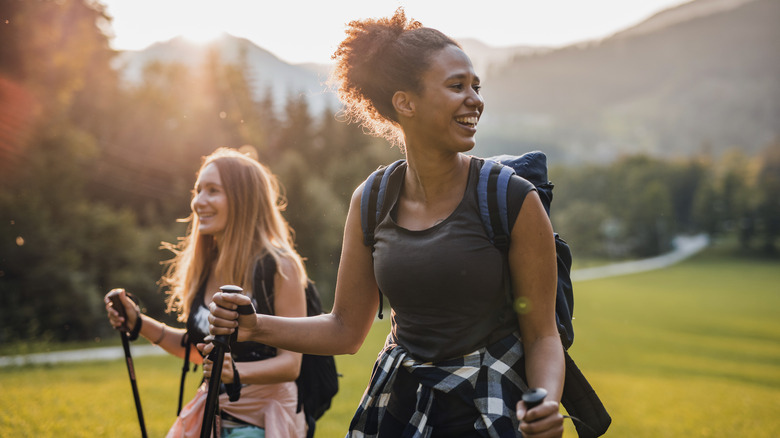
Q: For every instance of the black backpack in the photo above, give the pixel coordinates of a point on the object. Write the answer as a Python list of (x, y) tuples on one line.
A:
[(579, 398), (492, 192), (318, 380)]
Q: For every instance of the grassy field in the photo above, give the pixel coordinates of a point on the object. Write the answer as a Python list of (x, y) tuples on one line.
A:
[(689, 351)]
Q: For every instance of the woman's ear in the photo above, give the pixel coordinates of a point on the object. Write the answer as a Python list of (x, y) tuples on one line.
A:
[(403, 104)]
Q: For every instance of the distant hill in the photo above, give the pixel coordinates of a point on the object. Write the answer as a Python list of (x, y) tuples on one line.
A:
[(702, 76), (681, 14), (267, 71), (486, 58)]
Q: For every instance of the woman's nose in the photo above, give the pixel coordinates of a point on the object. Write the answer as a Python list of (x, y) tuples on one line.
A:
[(196, 200), (476, 100)]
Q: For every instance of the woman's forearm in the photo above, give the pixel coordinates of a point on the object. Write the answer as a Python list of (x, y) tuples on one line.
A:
[(544, 365), (285, 367), (323, 334), (166, 337)]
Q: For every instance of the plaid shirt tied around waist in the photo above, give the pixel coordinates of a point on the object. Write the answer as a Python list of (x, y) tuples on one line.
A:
[(486, 377)]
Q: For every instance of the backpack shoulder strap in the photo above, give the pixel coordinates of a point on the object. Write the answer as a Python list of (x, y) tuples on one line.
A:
[(371, 206), (493, 187), (264, 273), (264, 277), (372, 200), (492, 197)]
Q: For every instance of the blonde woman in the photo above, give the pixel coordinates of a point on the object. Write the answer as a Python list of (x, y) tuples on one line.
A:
[(236, 224)]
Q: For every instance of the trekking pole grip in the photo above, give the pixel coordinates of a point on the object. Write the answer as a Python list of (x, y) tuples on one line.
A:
[(116, 303), (534, 397), (224, 340)]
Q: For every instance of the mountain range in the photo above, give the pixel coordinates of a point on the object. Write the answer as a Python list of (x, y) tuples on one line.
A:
[(702, 77), (267, 71)]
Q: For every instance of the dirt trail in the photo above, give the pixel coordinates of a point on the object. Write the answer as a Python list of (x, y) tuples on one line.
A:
[(684, 247)]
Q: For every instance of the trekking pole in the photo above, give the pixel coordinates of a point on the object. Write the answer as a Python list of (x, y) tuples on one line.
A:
[(534, 397), (217, 357), (120, 308)]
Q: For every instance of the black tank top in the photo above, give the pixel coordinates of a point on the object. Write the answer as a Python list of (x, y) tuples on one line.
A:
[(445, 284), (198, 327)]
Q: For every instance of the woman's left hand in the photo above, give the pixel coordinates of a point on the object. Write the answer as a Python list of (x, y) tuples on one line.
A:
[(543, 421), (227, 364)]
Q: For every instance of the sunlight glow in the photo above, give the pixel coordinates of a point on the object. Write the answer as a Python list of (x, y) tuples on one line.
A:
[(201, 34), (311, 31)]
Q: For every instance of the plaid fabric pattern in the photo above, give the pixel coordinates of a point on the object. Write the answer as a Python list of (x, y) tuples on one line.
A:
[(485, 377)]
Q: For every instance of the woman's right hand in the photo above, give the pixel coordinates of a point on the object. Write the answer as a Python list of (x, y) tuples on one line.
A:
[(544, 421), (223, 316), (130, 310)]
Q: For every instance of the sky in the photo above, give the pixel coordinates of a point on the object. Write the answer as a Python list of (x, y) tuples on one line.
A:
[(310, 31)]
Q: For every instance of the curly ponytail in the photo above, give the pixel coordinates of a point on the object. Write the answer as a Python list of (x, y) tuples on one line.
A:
[(377, 58)]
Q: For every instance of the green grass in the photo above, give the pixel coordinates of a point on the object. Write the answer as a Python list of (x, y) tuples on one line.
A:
[(689, 351), (95, 399)]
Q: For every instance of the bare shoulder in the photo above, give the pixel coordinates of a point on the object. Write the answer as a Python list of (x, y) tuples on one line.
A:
[(357, 194), (287, 268), (531, 213)]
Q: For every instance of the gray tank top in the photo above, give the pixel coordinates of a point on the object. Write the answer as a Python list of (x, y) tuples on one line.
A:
[(445, 284)]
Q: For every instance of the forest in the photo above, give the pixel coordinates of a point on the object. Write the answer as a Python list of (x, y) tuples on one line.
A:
[(95, 174)]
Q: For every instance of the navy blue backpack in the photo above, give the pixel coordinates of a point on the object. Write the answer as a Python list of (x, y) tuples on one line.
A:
[(579, 398), (492, 193)]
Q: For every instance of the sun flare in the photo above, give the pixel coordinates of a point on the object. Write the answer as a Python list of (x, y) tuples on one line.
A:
[(201, 34)]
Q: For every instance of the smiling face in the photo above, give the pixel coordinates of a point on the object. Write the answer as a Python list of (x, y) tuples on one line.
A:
[(210, 203), (448, 107)]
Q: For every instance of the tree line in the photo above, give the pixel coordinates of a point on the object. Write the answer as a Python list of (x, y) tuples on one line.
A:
[(95, 174), (635, 206)]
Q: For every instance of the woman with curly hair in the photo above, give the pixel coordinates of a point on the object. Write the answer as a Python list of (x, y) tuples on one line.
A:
[(458, 357), (236, 226)]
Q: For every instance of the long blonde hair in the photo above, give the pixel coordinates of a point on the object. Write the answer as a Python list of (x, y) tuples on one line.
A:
[(255, 227)]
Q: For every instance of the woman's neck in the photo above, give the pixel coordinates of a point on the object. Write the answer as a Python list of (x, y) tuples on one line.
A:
[(430, 175)]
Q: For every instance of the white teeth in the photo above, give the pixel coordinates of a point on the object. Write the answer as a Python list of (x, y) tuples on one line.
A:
[(468, 120)]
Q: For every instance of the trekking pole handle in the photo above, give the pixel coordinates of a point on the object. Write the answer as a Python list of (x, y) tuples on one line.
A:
[(229, 289), (534, 397), (119, 306)]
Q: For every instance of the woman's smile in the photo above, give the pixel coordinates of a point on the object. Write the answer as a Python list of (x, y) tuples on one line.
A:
[(209, 202)]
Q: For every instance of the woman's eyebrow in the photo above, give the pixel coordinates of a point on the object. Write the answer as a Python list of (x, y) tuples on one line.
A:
[(463, 76)]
